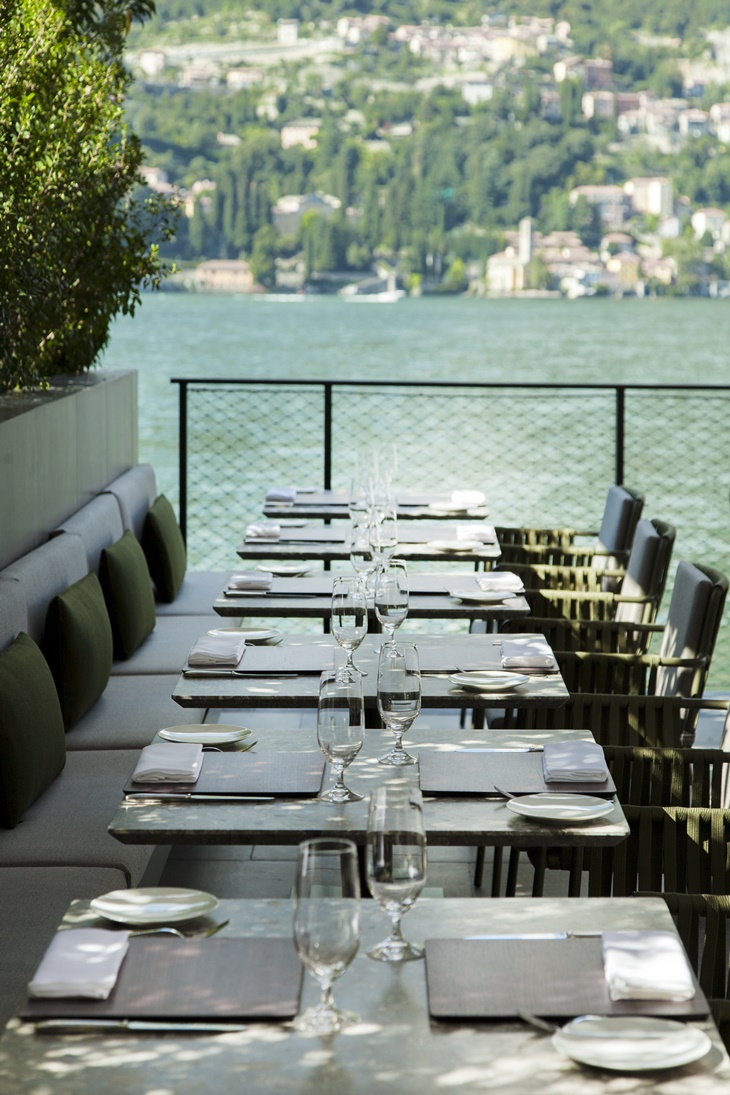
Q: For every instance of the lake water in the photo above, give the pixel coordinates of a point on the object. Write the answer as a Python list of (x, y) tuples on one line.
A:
[(451, 339)]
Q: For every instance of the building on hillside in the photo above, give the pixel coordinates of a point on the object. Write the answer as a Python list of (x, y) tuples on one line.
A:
[(653, 195), (152, 61), (551, 106), (287, 32), (694, 123), (223, 275), (720, 119), (241, 78), (709, 220), (610, 201), (287, 213), (598, 104), (474, 92), (302, 133), (598, 74)]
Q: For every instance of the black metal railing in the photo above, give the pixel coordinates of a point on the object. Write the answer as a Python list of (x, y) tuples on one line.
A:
[(543, 453)]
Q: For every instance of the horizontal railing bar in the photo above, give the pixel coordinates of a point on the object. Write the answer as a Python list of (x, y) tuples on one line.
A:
[(555, 385)]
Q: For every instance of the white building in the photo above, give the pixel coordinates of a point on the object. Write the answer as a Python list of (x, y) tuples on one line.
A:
[(651, 195)]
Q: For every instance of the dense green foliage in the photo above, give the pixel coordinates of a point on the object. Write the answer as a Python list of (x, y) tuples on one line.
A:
[(75, 244)]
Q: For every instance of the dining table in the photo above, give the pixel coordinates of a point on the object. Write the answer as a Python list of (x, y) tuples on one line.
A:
[(433, 595), (474, 542), (457, 771), (411, 505), (397, 1043), (286, 674)]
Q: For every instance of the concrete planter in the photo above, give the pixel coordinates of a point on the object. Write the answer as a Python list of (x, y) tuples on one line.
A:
[(60, 447)]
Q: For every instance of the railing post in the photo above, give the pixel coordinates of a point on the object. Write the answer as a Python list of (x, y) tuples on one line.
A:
[(183, 459), (620, 432), (327, 436)]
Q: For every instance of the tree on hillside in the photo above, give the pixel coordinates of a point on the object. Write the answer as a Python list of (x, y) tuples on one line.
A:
[(77, 243)]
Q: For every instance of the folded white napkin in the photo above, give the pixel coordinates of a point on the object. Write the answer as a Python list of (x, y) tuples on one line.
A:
[(484, 533), (169, 762), (532, 653), (262, 530), (468, 498), (251, 579), (501, 581), (648, 965), (281, 494), (81, 962), (574, 762), (224, 649)]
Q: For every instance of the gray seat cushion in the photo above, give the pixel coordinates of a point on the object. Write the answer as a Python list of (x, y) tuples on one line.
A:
[(129, 714), (32, 902), (199, 590), (67, 825), (98, 524), (166, 649)]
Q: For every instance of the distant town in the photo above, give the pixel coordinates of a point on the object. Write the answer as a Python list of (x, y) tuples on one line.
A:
[(557, 209)]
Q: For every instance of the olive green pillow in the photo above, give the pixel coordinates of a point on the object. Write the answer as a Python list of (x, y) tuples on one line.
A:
[(78, 646), (32, 738), (164, 549), (125, 580)]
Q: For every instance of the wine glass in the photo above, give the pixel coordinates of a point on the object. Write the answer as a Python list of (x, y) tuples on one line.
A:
[(340, 730), (391, 598), (326, 925), (399, 697), (395, 861), (384, 533), (349, 619), (362, 556)]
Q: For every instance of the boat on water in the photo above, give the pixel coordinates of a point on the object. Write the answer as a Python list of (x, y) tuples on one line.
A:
[(388, 296)]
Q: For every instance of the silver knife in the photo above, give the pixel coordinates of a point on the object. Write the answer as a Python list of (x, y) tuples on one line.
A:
[(80, 1026), (236, 673), (189, 796)]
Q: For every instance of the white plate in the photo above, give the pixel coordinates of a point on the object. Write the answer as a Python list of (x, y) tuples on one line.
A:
[(632, 1043), (250, 634), (154, 905), (292, 522), (291, 570), (203, 734), (455, 545), (551, 806), (483, 597), (489, 680)]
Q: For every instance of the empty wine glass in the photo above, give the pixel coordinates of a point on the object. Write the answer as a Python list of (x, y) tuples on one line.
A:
[(399, 697), (340, 730), (391, 598), (326, 925), (396, 861), (384, 533), (362, 555), (349, 619)]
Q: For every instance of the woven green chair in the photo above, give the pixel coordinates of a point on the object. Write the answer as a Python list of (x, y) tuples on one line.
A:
[(612, 542)]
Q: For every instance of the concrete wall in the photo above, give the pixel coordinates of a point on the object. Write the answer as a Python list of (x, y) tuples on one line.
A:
[(58, 449)]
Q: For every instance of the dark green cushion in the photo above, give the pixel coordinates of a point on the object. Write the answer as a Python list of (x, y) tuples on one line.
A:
[(32, 738), (125, 580), (78, 646), (164, 549)]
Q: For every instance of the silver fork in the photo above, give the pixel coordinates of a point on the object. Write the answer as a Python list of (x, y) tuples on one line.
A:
[(165, 930)]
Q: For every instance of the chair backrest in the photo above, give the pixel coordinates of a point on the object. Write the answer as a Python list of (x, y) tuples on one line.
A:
[(13, 611), (621, 514), (693, 620), (672, 849), (45, 572), (656, 721), (668, 777), (702, 922), (98, 524), (135, 491), (646, 571)]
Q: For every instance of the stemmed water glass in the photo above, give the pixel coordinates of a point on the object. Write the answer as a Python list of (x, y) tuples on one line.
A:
[(340, 730), (384, 533), (399, 697), (362, 555), (349, 619), (396, 861), (391, 598), (326, 925)]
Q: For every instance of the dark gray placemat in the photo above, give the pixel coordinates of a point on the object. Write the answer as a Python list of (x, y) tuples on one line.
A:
[(498, 978), (310, 655), (168, 978), (248, 774), (475, 772)]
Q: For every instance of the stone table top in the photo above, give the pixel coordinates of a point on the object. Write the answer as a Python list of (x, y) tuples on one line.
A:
[(395, 1047)]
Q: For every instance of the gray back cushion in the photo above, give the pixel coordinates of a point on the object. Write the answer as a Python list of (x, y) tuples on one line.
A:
[(13, 613), (641, 572), (685, 627), (45, 572), (135, 491), (98, 524), (618, 520)]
